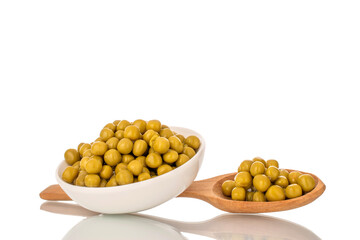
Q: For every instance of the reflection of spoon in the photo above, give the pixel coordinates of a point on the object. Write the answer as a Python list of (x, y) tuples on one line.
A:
[(132, 226), (209, 190)]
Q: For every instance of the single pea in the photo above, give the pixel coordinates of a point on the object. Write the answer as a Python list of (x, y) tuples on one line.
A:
[(140, 147), (152, 140), (122, 125), (106, 134), (144, 176), (125, 146), (245, 166), (99, 148), (135, 167), (293, 191), (261, 182), (166, 133), (99, 158), (238, 193), (149, 134), (183, 158), (141, 124), (163, 169), (79, 146), (99, 139), (153, 160), (83, 148), (189, 151), (112, 143), (93, 166), (257, 168), (111, 126), (282, 181), (69, 174), (112, 182), (87, 153), (275, 193), (258, 197), (71, 156), (76, 165), (193, 141), (181, 137), (259, 159), (141, 159), (293, 176), (83, 162), (272, 172), (119, 134), (176, 144), (112, 157), (92, 180), (227, 187), (106, 172), (120, 166), (103, 183), (171, 156), (249, 196), (272, 162), (127, 158), (284, 172), (243, 179), (124, 177), (132, 132), (153, 125), (80, 180), (161, 145), (306, 182)]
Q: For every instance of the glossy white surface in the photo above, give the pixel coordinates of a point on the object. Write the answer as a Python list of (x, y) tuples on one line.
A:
[(141, 195), (143, 226)]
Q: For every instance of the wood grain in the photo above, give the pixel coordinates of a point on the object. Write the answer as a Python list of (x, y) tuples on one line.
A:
[(209, 190)]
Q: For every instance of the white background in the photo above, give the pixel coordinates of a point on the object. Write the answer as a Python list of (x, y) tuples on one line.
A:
[(276, 79)]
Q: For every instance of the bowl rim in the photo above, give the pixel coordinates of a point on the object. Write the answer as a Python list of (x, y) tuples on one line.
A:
[(138, 184)]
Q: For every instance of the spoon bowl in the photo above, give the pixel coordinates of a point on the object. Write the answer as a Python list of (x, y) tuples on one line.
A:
[(209, 190)]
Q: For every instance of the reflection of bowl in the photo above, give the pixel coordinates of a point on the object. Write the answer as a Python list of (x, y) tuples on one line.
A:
[(127, 227), (141, 226), (141, 195)]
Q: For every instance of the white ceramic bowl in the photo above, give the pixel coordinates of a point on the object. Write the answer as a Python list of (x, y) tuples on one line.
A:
[(141, 195)]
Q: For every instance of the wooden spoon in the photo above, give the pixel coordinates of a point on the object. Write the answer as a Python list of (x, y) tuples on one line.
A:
[(209, 190)]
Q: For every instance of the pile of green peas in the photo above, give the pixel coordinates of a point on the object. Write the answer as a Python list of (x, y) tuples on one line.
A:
[(258, 180), (128, 152)]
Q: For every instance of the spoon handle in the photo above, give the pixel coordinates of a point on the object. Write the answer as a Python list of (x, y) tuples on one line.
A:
[(54, 193)]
